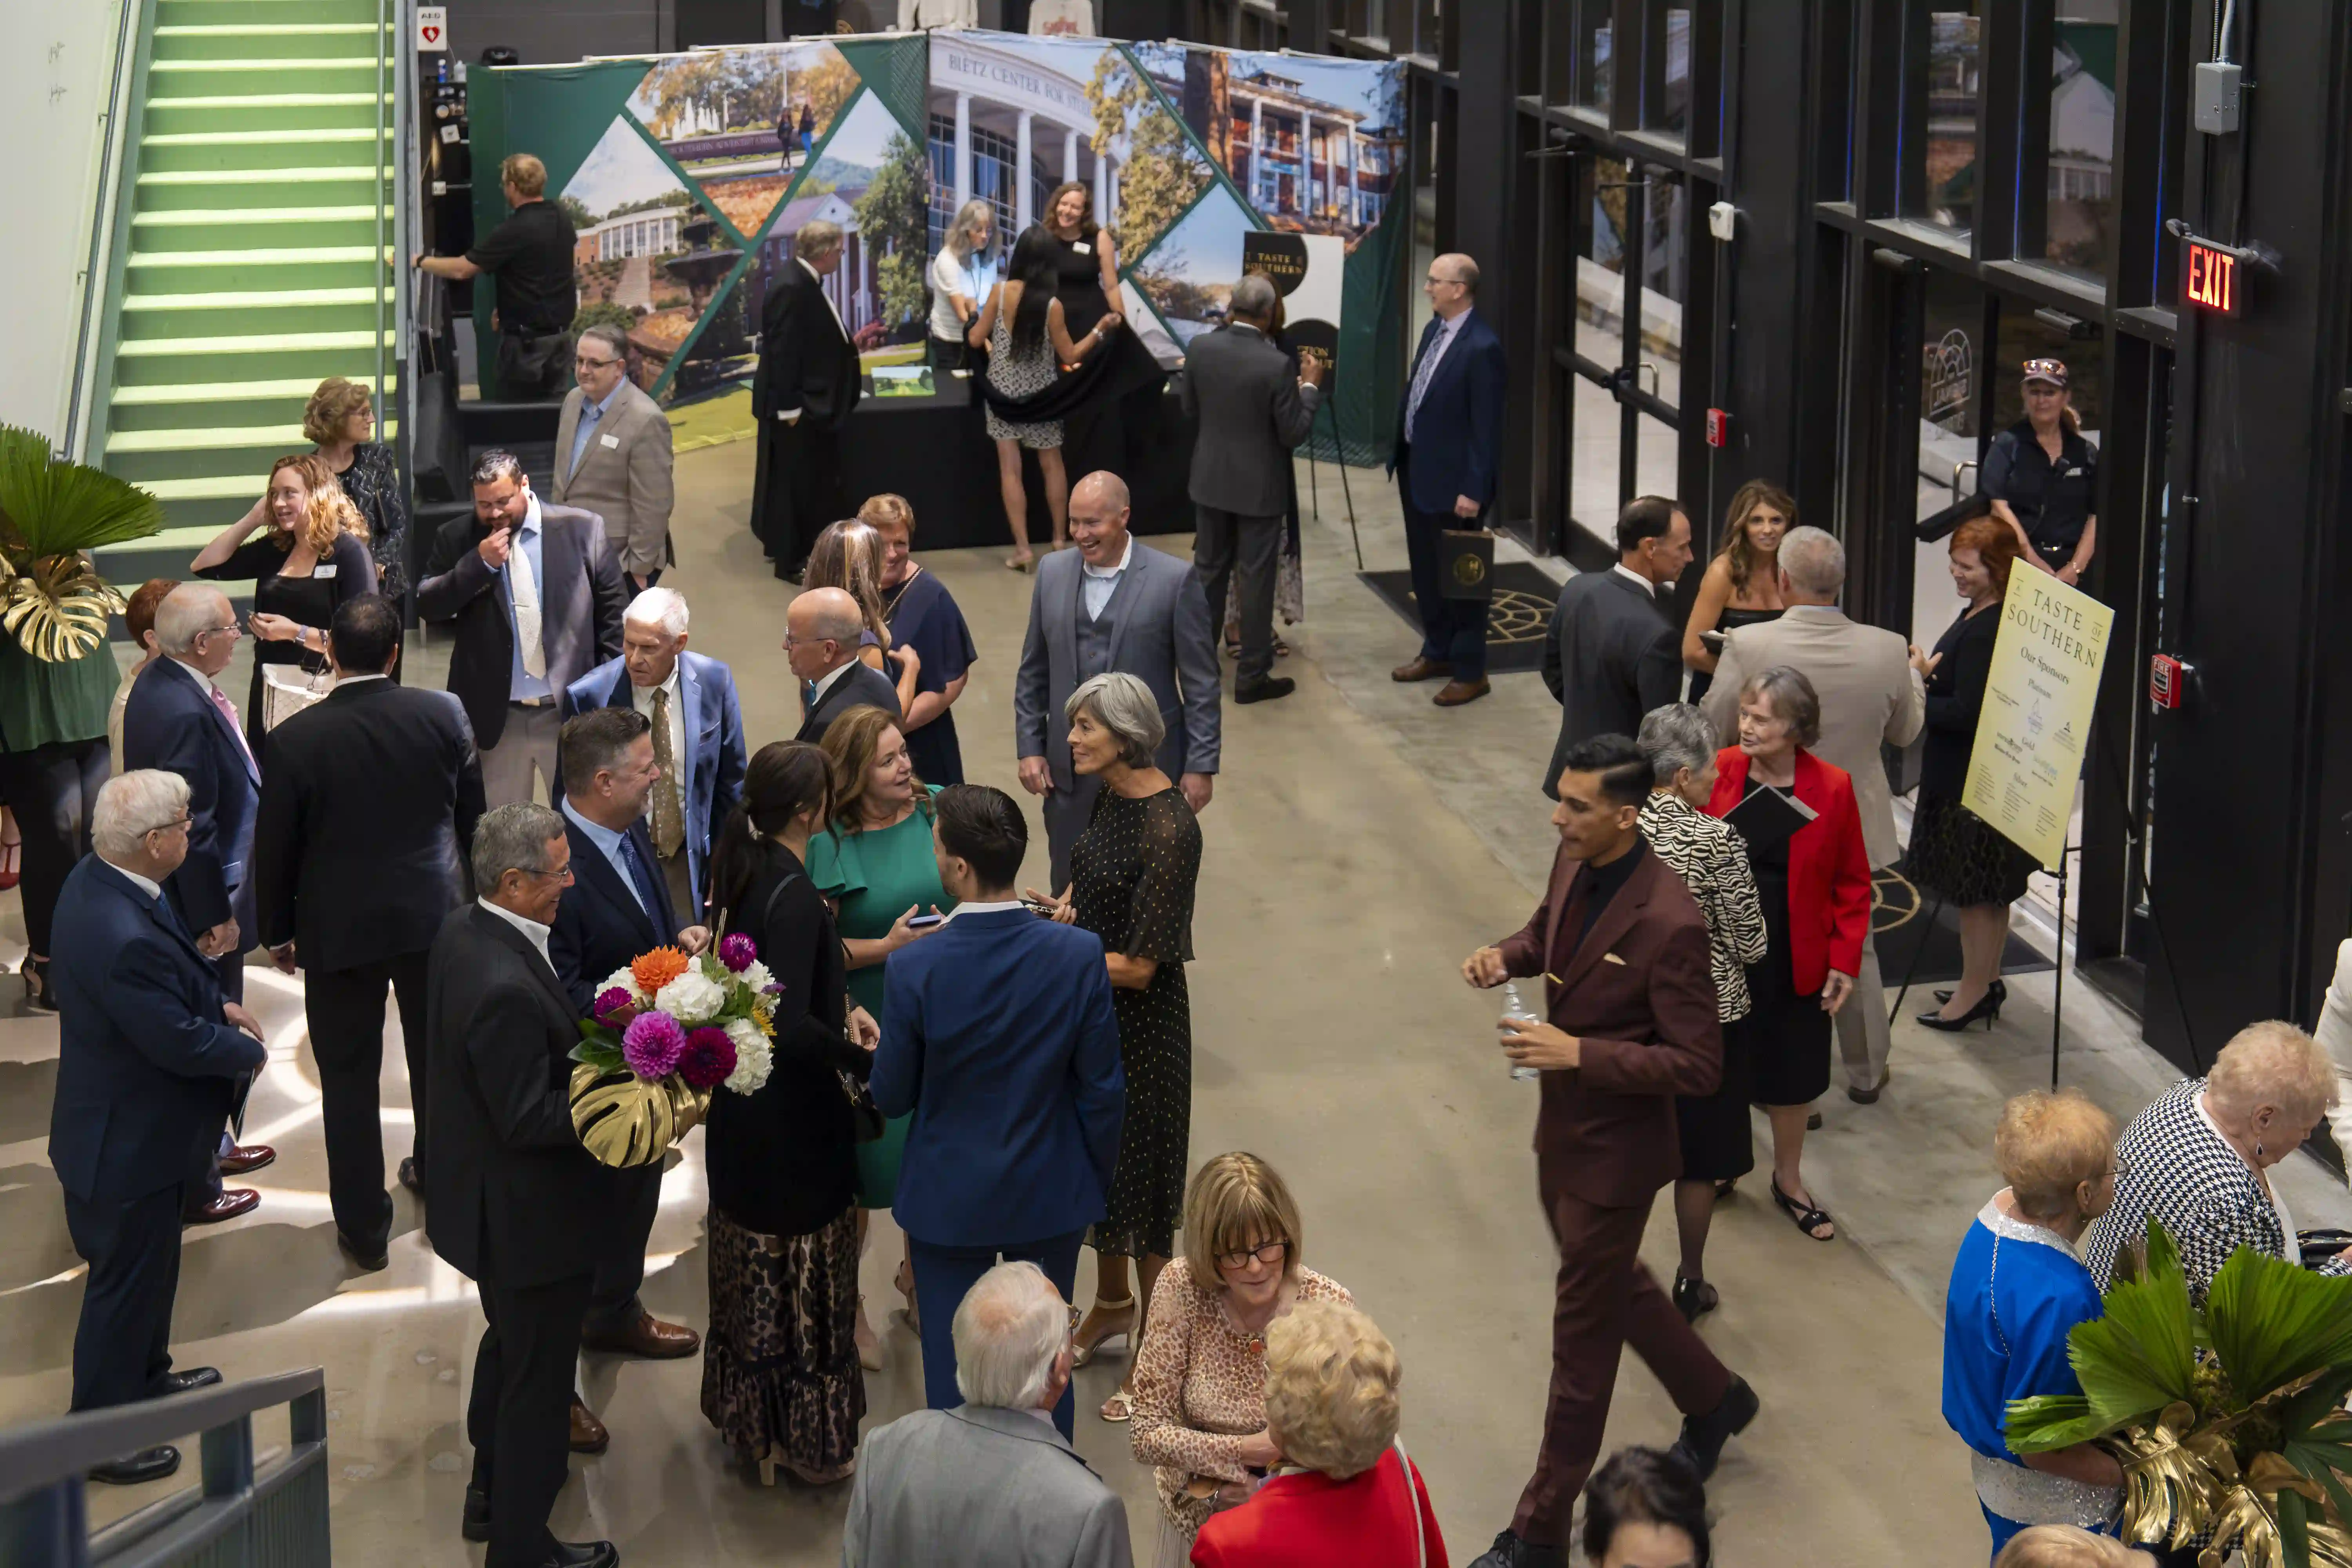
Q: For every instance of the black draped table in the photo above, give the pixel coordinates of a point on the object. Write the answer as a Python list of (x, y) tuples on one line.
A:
[(935, 451)]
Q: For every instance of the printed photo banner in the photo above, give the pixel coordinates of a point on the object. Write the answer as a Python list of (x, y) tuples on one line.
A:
[(687, 176)]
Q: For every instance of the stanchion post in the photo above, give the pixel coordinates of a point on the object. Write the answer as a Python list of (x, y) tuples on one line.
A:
[(2058, 997)]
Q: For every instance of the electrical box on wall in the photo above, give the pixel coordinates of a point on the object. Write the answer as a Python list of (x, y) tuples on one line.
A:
[(2215, 97), (1723, 221)]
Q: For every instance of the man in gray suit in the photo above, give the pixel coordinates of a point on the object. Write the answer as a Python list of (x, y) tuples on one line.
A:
[(1870, 695), (613, 456), (1251, 411), (1112, 603), (1612, 654), (990, 1483)]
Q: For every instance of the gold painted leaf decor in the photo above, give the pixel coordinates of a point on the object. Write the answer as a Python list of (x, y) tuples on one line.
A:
[(52, 512)]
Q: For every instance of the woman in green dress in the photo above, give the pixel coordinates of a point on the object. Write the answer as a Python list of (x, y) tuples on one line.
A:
[(877, 865)]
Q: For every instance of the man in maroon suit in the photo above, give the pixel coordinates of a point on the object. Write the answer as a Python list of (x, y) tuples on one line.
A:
[(1622, 950)]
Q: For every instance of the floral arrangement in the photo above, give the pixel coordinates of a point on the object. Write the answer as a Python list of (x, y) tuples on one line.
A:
[(662, 1035)]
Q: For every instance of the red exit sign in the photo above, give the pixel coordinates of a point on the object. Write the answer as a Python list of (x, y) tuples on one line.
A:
[(2212, 278)]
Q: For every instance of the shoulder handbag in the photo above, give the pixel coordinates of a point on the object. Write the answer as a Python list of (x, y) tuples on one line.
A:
[(1413, 1502), (865, 1118)]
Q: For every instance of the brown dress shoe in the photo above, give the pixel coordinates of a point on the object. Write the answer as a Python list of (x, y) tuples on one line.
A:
[(588, 1434), (1454, 693), (233, 1202), (649, 1337), (1420, 669), (245, 1158)]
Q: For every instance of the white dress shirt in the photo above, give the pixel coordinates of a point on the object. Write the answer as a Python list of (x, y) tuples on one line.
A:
[(1635, 577), (1099, 583), (146, 885), (823, 684), (793, 413), (531, 929)]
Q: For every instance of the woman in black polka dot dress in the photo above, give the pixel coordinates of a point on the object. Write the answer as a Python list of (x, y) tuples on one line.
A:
[(1132, 872)]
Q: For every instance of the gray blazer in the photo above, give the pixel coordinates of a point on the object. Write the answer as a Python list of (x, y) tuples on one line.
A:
[(1611, 655), (1160, 633), (979, 1488), (1251, 411), (1869, 694), (624, 475)]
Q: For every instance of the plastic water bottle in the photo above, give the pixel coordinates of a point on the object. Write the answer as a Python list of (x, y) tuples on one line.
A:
[(1513, 1008)]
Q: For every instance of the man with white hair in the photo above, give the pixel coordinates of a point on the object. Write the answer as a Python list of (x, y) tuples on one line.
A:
[(178, 720), (698, 727), (992, 1483), (1870, 695), (151, 1058), (612, 455)]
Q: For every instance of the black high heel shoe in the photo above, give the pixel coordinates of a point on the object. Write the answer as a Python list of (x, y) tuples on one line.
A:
[(1999, 988), (35, 972), (1694, 1297), (1987, 1008)]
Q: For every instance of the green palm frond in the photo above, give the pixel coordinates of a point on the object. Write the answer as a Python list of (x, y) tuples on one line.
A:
[(2140, 1355), (2273, 1322), (49, 507)]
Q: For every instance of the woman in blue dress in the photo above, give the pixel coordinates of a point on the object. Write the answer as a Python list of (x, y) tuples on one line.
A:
[(922, 617), (2018, 1289)]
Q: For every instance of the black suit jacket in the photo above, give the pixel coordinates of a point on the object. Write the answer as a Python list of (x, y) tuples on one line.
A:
[(1610, 655), (1243, 392), (168, 723), (366, 817), (600, 926), (509, 1195), (863, 687), (581, 602), (805, 360)]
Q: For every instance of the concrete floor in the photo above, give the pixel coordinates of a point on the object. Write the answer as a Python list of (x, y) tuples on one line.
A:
[(1361, 842)]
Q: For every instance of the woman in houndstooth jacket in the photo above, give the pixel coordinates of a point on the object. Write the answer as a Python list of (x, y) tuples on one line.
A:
[(2199, 1158)]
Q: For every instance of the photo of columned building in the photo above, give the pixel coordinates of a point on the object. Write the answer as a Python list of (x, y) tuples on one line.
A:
[(1297, 158), (1007, 130), (649, 233), (851, 286)]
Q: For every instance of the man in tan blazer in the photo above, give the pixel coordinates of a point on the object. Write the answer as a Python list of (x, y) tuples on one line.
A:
[(613, 456), (1869, 694)]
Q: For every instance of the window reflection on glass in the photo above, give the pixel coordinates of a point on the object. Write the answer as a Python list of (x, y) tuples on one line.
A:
[(1601, 269), (2079, 230), (1947, 189), (1666, 258), (1675, 120), (1592, 64)]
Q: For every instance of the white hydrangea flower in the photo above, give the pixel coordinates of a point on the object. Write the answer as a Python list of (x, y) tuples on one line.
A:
[(622, 978), (752, 1058), (691, 999), (757, 977)]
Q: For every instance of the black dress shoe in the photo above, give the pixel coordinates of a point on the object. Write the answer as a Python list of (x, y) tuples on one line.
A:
[(1701, 1444), (474, 1523), (1510, 1552), (368, 1258), (410, 1179), (173, 1383), (584, 1554), (146, 1465), (1265, 691)]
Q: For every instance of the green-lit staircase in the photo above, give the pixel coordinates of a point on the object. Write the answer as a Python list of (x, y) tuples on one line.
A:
[(252, 252)]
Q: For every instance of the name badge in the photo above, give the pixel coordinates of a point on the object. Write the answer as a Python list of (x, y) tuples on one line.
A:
[(2072, 474), (608, 440), (1082, 247), (324, 570)]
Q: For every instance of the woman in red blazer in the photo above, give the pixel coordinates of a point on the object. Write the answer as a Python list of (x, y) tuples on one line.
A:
[(1815, 886), (1345, 1496)]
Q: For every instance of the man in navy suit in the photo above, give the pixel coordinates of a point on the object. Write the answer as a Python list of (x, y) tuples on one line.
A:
[(151, 1058), (616, 909), (1448, 454), (1002, 1046), (698, 730), (178, 720)]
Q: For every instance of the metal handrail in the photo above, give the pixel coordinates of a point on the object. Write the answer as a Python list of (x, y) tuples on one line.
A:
[(407, 177), (52, 1450), (98, 267), (378, 153)]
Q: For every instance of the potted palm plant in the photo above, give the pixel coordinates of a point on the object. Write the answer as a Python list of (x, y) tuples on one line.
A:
[(52, 600), (2228, 1420)]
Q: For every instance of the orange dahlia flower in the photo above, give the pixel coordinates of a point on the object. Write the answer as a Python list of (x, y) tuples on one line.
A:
[(654, 970)]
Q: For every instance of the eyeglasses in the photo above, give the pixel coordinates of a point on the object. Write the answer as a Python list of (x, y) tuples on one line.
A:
[(1266, 1252), (179, 825), (232, 629), (584, 362), (2050, 370), (1435, 280), (562, 873)]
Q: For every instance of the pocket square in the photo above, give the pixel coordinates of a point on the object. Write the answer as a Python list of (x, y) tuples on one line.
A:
[(1612, 958)]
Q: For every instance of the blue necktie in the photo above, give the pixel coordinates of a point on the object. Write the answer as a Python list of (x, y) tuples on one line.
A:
[(637, 877), (171, 915)]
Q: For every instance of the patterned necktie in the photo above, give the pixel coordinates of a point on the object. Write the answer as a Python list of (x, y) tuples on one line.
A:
[(669, 821), (228, 711), (638, 879), (522, 587), (1421, 374)]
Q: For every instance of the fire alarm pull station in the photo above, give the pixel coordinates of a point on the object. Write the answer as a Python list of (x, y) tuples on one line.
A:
[(1718, 427), (2166, 675)]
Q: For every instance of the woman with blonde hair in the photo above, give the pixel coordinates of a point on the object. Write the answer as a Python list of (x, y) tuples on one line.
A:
[(874, 860), (1741, 586), (962, 275), (1199, 1380), (2065, 1546), (1344, 1495), (2018, 1289), (310, 562), (924, 621), (849, 555), (2199, 1158)]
